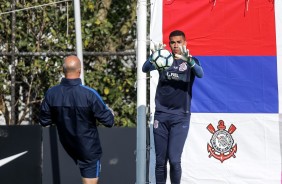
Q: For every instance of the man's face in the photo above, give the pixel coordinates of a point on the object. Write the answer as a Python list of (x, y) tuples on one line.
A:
[(175, 42)]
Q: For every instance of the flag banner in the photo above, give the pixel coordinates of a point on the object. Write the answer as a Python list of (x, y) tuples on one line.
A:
[(235, 133), (252, 146)]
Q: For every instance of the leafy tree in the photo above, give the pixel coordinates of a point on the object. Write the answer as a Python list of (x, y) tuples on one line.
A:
[(107, 26)]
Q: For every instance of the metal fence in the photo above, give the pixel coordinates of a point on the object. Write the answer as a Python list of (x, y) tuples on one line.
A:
[(35, 36)]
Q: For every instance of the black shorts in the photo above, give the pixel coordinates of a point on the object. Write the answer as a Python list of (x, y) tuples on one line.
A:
[(90, 170)]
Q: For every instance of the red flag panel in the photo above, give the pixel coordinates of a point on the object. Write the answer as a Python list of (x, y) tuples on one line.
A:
[(223, 27)]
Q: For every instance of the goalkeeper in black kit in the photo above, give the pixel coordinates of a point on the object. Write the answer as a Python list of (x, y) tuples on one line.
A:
[(172, 111)]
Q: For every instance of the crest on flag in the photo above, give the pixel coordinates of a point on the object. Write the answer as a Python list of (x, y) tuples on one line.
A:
[(222, 144)]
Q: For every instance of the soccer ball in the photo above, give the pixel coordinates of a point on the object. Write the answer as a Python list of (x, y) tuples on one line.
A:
[(162, 59)]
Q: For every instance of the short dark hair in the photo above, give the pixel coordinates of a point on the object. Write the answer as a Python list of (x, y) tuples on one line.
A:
[(177, 33)]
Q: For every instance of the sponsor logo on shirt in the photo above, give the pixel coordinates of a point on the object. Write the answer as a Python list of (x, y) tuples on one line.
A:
[(172, 76)]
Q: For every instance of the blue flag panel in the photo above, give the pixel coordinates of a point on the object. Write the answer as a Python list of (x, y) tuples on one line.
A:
[(236, 84)]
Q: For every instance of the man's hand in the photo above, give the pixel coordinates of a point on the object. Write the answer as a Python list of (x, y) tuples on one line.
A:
[(185, 55), (155, 47), (112, 111)]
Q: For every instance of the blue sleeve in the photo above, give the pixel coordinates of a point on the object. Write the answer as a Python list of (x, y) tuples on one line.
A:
[(148, 66), (102, 113), (197, 68), (45, 114)]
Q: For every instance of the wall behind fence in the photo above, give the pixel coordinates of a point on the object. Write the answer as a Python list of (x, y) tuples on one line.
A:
[(20, 154), (23, 161), (118, 160)]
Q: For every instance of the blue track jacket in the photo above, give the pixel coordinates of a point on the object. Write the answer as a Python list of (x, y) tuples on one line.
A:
[(74, 109)]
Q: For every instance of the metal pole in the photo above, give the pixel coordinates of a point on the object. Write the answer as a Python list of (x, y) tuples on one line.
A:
[(141, 92), (78, 36), (13, 67)]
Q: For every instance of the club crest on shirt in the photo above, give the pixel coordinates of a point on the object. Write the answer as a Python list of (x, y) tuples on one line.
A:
[(221, 145), (182, 67)]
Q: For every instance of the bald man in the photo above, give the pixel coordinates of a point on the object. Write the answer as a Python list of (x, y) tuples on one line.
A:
[(72, 67), (74, 109)]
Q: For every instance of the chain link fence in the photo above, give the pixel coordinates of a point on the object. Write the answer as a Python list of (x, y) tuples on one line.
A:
[(36, 35)]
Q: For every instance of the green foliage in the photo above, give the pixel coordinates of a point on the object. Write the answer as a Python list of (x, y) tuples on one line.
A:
[(116, 84), (107, 25)]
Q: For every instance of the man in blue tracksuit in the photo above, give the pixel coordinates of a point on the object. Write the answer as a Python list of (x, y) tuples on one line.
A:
[(74, 109), (172, 112)]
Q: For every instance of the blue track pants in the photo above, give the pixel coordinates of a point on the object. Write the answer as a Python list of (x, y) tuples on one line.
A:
[(170, 133)]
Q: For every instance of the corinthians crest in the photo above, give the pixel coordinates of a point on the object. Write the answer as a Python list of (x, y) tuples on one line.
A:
[(222, 142)]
